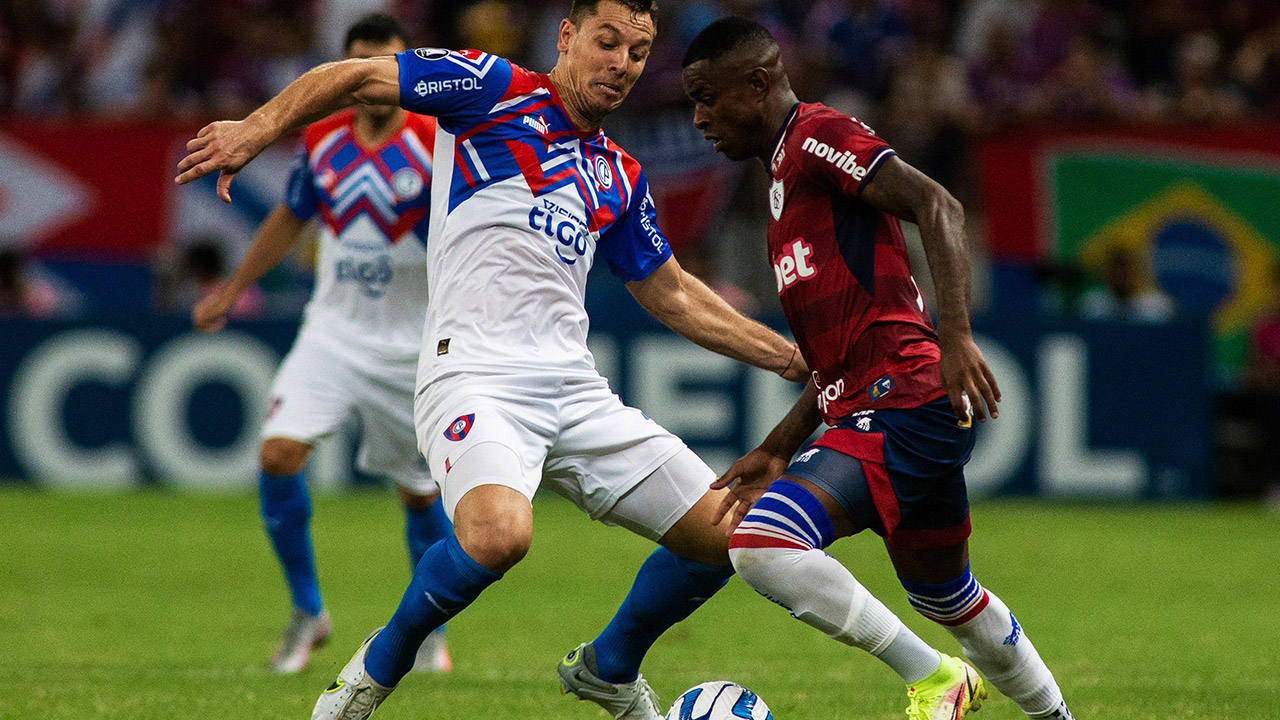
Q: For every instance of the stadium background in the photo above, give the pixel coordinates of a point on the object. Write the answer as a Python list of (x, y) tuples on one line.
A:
[(1075, 132)]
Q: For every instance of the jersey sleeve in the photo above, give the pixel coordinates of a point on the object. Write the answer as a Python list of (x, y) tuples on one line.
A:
[(300, 196), (843, 154), (453, 86), (634, 246)]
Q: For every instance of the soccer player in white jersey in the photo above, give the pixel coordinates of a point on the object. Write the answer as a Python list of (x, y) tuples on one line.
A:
[(528, 192), (366, 175)]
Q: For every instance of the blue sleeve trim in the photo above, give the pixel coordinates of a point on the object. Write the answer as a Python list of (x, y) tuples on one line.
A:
[(876, 164)]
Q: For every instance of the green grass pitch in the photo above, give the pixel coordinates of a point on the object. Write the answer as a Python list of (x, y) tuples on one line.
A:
[(157, 605)]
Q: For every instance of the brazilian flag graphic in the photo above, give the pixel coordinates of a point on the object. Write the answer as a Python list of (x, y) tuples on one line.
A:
[(1204, 224)]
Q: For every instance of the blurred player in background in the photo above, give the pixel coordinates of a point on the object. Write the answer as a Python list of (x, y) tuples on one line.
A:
[(530, 193), (895, 392), (367, 174)]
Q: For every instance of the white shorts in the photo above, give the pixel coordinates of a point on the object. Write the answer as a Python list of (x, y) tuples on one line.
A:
[(319, 385), (571, 432)]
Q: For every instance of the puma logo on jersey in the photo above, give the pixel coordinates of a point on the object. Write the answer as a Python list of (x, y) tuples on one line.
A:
[(538, 123), (845, 160), (793, 265)]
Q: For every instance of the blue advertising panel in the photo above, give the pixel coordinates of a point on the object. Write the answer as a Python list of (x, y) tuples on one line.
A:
[(1117, 411)]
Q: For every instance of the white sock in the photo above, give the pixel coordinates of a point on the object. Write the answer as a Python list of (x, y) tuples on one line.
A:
[(996, 645), (821, 592)]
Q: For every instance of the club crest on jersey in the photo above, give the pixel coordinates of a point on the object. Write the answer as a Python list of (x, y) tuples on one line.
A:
[(880, 387), (459, 428), (326, 179), (775, 199), (604, 174), (431, 53), (408, 183)]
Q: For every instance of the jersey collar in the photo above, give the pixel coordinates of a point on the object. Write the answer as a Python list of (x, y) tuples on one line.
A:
[(774, 158), (555, 97)]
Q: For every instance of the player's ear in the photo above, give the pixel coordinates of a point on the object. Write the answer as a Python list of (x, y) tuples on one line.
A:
[(567, 30), (760, 82)]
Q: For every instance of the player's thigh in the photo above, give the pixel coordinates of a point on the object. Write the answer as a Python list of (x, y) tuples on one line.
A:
[(674, 506), (606, 450), (473, 435), (388, 441), (839, 482), (311, 394)]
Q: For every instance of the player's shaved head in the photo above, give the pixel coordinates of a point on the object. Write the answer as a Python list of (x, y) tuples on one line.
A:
[(735, 42), (733, 74)]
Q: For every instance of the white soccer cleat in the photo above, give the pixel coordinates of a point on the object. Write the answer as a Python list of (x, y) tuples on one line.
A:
[(303, 634), (626, 701), (353, 695), (433, 654)]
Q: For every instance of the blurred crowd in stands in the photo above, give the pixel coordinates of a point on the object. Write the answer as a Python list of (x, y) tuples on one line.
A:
[(932, 69), (932, 76)]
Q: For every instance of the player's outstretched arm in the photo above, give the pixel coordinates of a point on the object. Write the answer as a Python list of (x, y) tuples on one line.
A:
[(227, 146), (278, 234), (904, 191), (685, 304), (749, 477)]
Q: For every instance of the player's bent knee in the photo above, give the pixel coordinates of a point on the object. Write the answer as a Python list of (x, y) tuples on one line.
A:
[(494, 525), (695, 537), (283, 456), (766, 570), (417, 501), (496, 548)]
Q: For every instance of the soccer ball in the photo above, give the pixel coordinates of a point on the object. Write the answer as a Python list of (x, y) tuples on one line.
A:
[(719, 700)]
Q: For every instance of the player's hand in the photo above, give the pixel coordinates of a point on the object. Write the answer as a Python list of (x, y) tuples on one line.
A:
[(967, 379), (224, 147), (210, 314), (747, 479)]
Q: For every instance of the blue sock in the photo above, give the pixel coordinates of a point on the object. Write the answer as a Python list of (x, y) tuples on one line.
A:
[(423, 528), (445, 581), (667, 589), (286, 513)]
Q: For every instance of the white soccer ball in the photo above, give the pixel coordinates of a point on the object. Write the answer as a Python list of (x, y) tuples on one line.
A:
[(719, 700)]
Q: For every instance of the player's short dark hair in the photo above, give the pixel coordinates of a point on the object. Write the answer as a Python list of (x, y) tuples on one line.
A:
[(723, 36), (376, 28), (583, 9)]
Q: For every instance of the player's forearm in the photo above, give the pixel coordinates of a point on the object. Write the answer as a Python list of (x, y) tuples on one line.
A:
[(701, 315), (942, 233), (275, 238), (800, 422), (328, 88)]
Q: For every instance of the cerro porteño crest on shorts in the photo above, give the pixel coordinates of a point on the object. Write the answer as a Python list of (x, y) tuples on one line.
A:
[(459, 428)]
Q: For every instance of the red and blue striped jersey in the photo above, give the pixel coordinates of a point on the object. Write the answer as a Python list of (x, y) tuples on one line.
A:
[(842, 271), (373, 206), (522, 204)]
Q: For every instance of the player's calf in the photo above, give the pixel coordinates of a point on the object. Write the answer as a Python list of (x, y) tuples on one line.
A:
[(992, 640), (777, 549)]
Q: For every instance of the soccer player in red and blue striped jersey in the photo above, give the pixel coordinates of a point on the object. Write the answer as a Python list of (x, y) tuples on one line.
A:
[(898, 395)]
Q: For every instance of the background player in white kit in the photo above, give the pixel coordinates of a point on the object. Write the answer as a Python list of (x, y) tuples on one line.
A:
[(528, 193), (367, 175)]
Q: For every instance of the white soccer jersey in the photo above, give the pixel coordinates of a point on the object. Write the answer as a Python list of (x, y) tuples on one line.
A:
[(373, 205), (523, 202)]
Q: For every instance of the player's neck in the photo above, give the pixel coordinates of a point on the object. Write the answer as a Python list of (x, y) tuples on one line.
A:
[(775, 117), (373, 130), (571, 99)]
